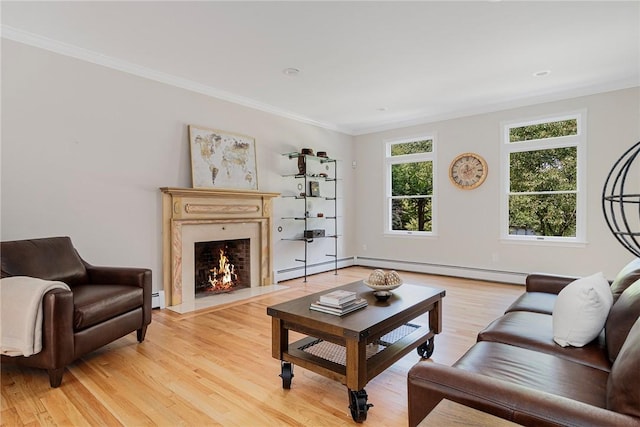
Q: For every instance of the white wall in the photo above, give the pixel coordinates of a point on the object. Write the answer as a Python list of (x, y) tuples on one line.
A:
[(85, 149), (468, 221)]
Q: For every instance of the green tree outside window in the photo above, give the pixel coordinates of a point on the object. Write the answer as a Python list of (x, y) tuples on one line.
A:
[(543, 182), (411, 187)]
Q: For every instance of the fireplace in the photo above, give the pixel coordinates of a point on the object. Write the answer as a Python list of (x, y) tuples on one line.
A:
[(221, 266), (196, 222)]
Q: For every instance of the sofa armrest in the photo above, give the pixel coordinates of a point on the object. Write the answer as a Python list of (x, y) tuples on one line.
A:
[(140, 277), (546, 283), (428, 383), (57, 327), (58, 346)]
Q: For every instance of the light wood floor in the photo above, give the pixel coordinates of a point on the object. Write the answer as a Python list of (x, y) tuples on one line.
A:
[(214, 367)]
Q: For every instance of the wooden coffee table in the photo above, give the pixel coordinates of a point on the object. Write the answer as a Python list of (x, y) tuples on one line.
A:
[(356, 347)]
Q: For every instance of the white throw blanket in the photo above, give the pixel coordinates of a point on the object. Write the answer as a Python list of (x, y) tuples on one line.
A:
[(21, 315)]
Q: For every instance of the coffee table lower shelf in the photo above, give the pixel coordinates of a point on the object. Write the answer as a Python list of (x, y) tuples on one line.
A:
[(337, 354)]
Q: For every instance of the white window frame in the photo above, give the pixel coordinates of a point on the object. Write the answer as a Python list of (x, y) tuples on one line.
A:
[(578, 141), (409, 158)]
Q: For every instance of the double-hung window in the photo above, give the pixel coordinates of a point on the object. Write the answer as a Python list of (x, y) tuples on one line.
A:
[(409, 165), (543, 194)]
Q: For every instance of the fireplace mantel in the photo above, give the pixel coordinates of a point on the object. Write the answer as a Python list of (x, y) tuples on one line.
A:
[(189, 207)]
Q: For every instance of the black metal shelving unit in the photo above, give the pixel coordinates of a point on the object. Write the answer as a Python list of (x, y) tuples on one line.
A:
[(306, 177)]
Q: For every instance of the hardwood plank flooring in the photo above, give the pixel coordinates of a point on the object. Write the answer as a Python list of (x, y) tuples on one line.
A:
[(214, 367)]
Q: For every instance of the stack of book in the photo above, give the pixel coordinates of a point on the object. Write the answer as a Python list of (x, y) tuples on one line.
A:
[(338, 302)]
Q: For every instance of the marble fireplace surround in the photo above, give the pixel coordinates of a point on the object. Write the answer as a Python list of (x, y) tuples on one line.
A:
[(191, 215)]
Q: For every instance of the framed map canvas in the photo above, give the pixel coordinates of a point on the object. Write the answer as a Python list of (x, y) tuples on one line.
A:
[(223, 160)]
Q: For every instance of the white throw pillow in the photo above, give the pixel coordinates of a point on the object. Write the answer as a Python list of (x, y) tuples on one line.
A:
[(581, 311)]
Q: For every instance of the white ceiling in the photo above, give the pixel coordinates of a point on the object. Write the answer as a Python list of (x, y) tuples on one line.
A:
[(364, 66)]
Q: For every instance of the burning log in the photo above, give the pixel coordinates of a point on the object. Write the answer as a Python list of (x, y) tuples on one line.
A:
[(223, 277)]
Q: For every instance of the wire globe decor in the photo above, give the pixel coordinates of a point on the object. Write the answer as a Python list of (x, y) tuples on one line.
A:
[(621, 200)]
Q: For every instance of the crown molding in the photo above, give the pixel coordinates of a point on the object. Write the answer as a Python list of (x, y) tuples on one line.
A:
[(87, 55), (506, 104)]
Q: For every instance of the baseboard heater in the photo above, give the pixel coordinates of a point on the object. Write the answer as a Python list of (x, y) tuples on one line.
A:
[(157, 300), (512, 277), (321, 267)]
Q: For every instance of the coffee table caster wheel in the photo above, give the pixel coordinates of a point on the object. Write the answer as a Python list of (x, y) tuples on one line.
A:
[(358, 405), (286, 375), (426, 350)]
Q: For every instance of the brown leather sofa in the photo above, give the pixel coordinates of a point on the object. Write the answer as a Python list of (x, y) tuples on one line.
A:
[(104, 304), (517, 372)]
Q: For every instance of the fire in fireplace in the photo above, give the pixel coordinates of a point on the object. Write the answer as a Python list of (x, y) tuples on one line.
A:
[(221, 266)]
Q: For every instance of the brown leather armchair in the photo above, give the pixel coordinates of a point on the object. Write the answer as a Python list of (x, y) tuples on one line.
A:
[(104, 304)]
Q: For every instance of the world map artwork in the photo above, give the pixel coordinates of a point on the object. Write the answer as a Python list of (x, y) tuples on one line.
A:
[(222, 160)]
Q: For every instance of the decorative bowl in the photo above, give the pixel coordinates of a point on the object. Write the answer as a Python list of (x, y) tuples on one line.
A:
[(381, 287)]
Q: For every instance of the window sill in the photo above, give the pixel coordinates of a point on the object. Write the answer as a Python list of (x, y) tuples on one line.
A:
[(410, 234), (544, 242)]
